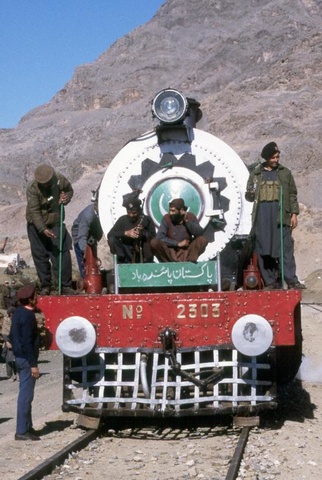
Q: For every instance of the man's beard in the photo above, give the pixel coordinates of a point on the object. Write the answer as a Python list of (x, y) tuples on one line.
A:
[(176, 218)]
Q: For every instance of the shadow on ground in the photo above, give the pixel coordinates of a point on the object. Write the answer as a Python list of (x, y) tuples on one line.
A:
[(54, 426), (294, 404)]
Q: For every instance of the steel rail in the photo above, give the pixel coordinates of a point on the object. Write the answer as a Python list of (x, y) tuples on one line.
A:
[(47, 467), (233, 470)]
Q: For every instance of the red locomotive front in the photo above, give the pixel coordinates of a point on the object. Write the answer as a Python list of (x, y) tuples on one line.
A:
[(185, 338)]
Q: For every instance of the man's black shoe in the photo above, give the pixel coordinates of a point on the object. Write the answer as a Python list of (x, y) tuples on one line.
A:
[(296, 286), (69, 291), (26, 436)]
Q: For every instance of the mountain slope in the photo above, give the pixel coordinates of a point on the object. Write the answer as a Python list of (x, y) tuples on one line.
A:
[(254, 66)]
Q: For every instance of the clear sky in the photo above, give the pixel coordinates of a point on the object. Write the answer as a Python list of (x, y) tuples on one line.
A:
[(43, 41)]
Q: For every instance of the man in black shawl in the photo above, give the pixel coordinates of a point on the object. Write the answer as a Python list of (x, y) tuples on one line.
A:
[(129, 239), (272, 188)]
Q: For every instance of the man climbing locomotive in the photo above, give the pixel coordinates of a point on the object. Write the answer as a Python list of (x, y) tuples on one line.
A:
[(49, 239), (86, 230)]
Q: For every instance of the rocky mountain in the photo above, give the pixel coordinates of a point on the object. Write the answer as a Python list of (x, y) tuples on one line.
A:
[(255, 67)]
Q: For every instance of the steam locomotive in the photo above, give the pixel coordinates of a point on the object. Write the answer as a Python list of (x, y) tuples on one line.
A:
[(177, 339)]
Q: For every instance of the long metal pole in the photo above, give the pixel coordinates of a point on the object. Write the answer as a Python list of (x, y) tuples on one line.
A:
[(218, 272), (282, 236), (116, 275), (61, 219)]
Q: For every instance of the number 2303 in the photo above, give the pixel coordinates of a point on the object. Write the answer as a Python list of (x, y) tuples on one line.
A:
[(194, 310)]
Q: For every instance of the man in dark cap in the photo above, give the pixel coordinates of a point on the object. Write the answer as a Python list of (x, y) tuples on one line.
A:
[(180, 236), (45, 195), (272, 188), (24, 338), (129, 239)]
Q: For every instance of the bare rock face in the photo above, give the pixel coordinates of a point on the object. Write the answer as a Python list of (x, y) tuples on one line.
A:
[(254, 67)]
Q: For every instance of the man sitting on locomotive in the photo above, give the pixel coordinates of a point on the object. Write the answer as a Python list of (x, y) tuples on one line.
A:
[(180, 236), (129, 239)]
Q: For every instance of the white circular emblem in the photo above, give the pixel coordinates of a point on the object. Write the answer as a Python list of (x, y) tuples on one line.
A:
[(252, 335), (75, 336)]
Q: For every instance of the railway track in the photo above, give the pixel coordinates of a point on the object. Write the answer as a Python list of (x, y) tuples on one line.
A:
[(233, 470), (226, 459), (176, 452), (46, 467)]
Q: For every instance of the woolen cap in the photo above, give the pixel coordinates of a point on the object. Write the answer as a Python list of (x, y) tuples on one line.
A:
[(26, 292), (44, 173), (133, 204), (178, 203), (269, 150)]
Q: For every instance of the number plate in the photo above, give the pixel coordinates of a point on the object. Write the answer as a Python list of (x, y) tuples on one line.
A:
[(199, 309)]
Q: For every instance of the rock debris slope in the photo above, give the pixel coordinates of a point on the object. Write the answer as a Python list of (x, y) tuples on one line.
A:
[(254, 66)]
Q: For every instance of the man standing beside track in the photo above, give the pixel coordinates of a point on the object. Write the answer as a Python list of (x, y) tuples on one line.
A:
[(24, 338)]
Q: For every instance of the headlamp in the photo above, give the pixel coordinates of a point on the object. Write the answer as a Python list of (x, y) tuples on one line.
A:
[(251, 282), (75, 336), (252, 335), (170, 106)]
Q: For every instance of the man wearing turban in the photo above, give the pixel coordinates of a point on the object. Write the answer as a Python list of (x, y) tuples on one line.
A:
[(180, 236)]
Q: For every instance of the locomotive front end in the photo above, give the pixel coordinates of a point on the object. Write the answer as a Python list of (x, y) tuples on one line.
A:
[(178, 339), (178, 354)]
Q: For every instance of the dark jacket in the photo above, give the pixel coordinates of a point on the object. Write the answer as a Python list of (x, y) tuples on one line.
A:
[(43, 209), (123, 224), (86, 225), (289, 199), (171, 234), (24, 335)]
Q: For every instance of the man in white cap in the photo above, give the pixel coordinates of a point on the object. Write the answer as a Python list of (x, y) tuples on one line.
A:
[(45, 195)]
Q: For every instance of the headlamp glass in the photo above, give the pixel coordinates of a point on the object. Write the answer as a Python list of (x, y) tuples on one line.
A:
[(169, 106)]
